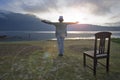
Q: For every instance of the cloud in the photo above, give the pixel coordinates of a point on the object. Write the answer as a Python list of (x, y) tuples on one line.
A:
[(38, 5), (106, 8), (97, 7), (113, 23), (11, 5), (4, 2), (114, 20)]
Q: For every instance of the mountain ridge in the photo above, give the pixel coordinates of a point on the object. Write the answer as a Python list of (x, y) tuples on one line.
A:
[(10, 21)]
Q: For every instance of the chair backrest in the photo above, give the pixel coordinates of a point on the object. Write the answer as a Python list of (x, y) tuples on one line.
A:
[(102, 43)]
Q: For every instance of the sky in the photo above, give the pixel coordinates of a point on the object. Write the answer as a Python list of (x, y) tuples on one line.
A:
[(98, 12)]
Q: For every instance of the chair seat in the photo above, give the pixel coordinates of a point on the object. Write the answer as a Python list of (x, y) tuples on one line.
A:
[(91, 54)]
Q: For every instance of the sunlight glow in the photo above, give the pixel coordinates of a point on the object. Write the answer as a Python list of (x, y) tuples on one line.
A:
[(72, 15)]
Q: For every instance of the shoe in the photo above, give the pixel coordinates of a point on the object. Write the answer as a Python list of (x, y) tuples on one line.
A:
[(60, 55)]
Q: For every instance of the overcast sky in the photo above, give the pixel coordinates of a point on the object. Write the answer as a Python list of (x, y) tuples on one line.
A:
[(103, 12)]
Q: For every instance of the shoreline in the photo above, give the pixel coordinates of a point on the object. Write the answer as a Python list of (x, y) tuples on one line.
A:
[(47, 35)]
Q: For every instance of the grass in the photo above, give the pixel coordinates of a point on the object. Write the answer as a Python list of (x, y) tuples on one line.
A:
[(38, 60), (117, 40)]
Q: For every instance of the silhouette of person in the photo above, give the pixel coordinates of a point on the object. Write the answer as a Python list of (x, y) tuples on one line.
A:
[(61, 32)]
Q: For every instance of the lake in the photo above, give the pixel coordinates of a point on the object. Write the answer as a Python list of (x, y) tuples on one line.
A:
[(49, 35)]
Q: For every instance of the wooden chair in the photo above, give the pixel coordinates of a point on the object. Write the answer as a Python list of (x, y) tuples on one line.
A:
[(101, 51)]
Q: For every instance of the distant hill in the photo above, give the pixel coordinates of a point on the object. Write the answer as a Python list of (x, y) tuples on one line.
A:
[(10, 21), (90, 27)]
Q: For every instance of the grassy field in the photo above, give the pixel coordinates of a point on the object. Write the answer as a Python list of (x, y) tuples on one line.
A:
[(39, 60)]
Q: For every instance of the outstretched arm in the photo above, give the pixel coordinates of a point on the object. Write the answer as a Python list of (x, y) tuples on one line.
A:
[(46, 21), (72, 22)]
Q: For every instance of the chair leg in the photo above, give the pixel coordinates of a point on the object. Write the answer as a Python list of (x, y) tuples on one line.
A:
[(107, 65), (84, 60), (94, 66)]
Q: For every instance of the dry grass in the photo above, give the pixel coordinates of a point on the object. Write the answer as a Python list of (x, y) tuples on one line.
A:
[(39, 60)]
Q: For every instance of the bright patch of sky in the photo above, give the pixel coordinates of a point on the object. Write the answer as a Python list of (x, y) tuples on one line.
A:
[(99, 12)]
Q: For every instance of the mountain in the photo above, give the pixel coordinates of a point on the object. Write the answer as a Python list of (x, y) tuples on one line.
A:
[(90, 27), (10, 21)]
